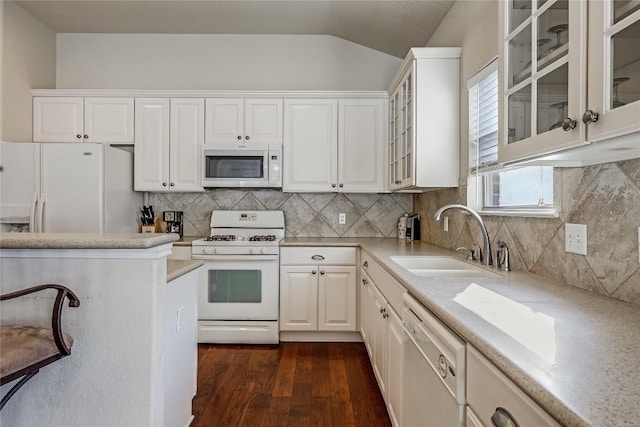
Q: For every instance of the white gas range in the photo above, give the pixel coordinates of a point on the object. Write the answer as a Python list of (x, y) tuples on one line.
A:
[(238, 287)]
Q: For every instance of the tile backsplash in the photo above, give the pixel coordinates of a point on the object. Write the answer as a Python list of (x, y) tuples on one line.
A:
[(306, 214), (604, 197)]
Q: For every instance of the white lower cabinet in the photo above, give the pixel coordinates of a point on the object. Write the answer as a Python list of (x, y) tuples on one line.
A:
[(181, 349), (494, 400), (318, 289), (383, 334)]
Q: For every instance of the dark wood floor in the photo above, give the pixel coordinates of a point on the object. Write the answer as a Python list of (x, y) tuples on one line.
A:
[(291, 384)]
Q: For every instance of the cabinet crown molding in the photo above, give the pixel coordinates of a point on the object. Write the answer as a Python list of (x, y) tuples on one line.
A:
[(340, 94)]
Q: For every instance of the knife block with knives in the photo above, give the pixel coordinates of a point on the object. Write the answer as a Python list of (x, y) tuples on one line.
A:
[(148, 220)]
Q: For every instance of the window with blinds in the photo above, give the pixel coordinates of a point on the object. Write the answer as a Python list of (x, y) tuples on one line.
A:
[(499, 188), (483, 118)]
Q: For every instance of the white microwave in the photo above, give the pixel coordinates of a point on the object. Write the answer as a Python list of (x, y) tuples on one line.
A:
[(237, 165)]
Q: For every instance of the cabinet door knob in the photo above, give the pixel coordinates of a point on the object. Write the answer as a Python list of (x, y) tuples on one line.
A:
[(341, 185), (239, 137), (313, 272), (365, 264), (364, 282), (246, 137), (333, 185), (86, 136), (164, 184), (321, 272), (78, 136), (172, 184), (568, 124), (590, 116)]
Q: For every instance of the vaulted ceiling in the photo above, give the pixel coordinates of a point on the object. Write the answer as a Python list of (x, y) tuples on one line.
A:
[(388, 26)]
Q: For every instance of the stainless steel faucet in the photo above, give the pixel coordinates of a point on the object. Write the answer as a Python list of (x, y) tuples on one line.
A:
[(485, 236)]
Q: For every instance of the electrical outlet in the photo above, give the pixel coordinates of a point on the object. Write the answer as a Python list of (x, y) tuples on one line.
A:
[(342, 218), (445, 223), (575, 238)]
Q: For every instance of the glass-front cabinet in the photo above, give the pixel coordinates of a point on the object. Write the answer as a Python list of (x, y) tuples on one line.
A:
[(614, 69), (570, 74), (401, 164), (543, 75), (423, 120)]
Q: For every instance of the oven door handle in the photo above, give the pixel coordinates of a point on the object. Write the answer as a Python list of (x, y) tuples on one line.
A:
[(248, 258)]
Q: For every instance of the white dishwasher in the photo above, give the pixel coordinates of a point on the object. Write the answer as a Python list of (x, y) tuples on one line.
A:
[(434, 370)]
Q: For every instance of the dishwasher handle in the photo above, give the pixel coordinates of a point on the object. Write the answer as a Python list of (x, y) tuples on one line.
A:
[(503, 418)]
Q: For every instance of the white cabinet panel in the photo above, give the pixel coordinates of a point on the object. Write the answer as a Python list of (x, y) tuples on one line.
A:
[(169, 137), (316, 296), (361, 145), (263, 120), (233, 120), (108, 120), (186, 141), (224, 120), (58, 119), (397, 339), (337, 298), (77, 119), (151, 149), (488, 389), (310, 145), (298, 298)]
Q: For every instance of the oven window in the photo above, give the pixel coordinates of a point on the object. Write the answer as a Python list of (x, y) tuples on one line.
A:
[(234, 166), (243, 286)]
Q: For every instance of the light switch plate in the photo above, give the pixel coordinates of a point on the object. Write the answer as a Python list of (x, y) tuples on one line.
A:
[(342, 218), (575, 238)]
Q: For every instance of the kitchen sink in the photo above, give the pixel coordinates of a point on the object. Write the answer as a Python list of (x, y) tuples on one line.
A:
[(428, 266)]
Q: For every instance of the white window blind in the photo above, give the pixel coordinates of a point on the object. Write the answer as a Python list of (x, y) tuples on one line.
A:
[(483, 118)]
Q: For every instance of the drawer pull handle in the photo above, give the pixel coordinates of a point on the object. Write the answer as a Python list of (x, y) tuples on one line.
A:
[(317, 257), (366, 264), (503, 418)]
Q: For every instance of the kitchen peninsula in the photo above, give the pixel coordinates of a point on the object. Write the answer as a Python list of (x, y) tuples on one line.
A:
[(123, 330)]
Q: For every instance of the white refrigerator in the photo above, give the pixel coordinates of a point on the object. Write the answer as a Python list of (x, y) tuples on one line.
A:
[(67, 188)]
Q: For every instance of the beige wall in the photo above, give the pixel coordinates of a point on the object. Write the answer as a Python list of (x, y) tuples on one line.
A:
[(472, 25), (29, 62), (604, 197), (214, 61)]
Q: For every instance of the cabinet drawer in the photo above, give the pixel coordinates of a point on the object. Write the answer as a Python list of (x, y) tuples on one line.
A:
[(317, 256), (390, 287), (489, 389)]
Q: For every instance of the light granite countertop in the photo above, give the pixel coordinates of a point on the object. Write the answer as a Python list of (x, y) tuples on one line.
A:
[(84, 240), (179, 267), (575, 353)]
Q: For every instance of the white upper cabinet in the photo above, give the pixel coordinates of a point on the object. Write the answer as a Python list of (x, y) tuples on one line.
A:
[(169, 138), (310, 149), (361, 160), (233, 120), (547, 50), (78, 119), (423, 120), (334, 145)]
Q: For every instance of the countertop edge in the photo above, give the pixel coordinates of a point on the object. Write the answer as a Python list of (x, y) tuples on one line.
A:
[(177, 268), (84, 241)]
